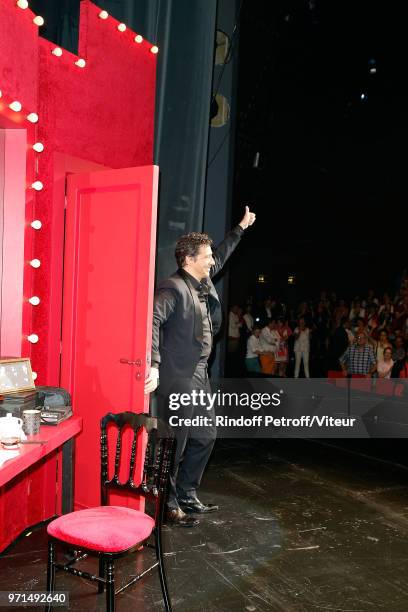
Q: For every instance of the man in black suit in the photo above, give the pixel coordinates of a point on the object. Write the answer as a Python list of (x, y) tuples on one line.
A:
[(187, 314)]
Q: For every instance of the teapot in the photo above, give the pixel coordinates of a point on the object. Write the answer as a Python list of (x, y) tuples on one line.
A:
[(11, 430)]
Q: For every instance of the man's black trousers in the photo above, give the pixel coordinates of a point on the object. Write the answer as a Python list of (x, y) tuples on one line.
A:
[(194, 444)]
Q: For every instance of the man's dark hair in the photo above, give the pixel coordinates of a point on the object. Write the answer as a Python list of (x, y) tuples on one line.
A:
[(189, 245)]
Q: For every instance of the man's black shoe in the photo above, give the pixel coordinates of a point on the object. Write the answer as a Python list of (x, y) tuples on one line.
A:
[(177, 518), (192, 505)]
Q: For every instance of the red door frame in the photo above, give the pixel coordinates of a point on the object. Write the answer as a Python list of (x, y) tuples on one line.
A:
[(104, 184)]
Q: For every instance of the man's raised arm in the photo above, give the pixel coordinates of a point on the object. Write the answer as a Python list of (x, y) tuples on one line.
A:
[(227, 246)]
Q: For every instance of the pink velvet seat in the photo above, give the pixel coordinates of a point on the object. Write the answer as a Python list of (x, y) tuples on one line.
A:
[(104, 528)]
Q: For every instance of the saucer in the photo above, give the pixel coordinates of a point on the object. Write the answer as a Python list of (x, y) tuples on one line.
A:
[(13, 446)]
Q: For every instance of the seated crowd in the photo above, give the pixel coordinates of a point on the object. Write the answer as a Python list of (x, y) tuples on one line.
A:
[(367, 336)]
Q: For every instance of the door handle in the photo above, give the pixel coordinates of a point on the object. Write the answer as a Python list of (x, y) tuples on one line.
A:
[(137, 362)]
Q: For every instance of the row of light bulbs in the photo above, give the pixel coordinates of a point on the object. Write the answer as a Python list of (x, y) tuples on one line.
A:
[(34, 300), (16, 106), (39, 21), (122, 28), (80, 62), (35, 263)]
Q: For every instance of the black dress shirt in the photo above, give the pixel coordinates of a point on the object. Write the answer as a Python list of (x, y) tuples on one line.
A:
[(203, 290)]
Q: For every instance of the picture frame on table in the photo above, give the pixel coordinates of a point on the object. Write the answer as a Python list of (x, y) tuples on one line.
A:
[(15, 375)]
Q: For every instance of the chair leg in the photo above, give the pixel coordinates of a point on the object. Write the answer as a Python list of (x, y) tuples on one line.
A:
[(162, 574), (101, 586), (110, 586), (50, 572)]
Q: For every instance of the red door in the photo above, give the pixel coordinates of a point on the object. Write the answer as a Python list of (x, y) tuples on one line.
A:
[(108, 294)]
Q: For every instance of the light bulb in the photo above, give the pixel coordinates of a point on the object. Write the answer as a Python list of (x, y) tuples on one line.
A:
[(33, 338), (23, 4), (34, 301), (34, 375), (35, 263), (138, 38), (57, 51), (154, 49), (39, 21), (36, 224), (38, 146), (37, 185), (81, 63), (15, 106), (121, 27), (32, 117), (103, 15)]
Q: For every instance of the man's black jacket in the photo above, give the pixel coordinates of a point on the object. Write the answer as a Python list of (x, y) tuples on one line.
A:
[(177, 320)]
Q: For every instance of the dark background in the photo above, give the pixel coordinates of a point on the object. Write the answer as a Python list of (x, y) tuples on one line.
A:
[(330, 191)]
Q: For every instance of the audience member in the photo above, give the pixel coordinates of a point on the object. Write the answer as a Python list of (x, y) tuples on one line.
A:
[(385, 365), (321, 329), (359, 358), (401, 312), (404, 370), (234, 329), (399, 351), (254, 350), (385, 315), (302, 347), (248, 320), (339, 343), (356, 312), (265, 312), (340, 312), (269, 345), (372, 319), (282, 354), (359, 327), (382, 344), (371, 300)]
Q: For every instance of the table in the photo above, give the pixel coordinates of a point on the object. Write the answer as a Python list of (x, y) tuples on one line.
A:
[(37, 484)]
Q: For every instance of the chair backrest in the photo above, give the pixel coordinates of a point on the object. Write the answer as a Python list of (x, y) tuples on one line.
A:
[(157, 461)]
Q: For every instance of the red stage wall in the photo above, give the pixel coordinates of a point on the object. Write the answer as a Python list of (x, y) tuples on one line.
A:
[(102, 113)]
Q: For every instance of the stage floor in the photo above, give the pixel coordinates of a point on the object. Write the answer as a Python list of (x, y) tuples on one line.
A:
[(302, 527)]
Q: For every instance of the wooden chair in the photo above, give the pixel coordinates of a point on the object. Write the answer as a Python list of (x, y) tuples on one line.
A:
[(110, 532)]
